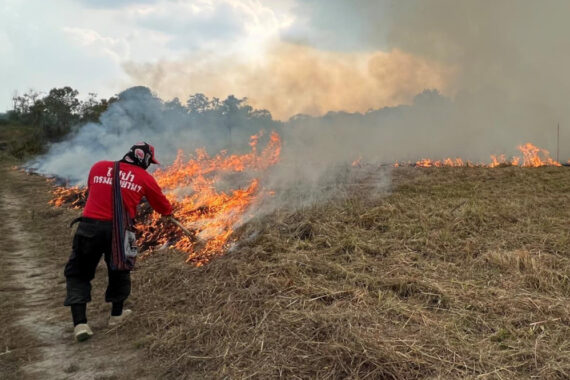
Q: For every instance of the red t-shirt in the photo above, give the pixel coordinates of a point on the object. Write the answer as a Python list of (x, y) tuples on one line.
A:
[(135, 183)]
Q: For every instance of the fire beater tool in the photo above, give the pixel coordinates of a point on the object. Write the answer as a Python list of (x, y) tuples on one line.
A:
[(187, 232)]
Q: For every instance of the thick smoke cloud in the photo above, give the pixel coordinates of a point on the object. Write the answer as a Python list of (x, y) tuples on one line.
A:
[(501, 66), (295, 79), (515, 47), (496, 70), (511, 83), (139, 115), (504, 67)]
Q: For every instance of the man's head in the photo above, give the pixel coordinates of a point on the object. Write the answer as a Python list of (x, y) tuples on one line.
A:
[(141, 154)]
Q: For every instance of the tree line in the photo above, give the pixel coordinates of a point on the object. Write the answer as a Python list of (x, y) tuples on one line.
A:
[(52, 117), (55, 114)]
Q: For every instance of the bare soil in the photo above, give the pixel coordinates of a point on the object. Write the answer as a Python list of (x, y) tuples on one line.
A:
[(36, 330)]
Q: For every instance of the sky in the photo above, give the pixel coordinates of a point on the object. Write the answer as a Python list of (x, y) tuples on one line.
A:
[(492, 74), (267, 51), (87, 44), (292, 56)]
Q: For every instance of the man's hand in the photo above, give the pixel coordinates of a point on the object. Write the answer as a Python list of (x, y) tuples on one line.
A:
[(166, 218)]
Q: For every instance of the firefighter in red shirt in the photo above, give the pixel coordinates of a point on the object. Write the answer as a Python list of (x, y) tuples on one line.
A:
[(93, 236)]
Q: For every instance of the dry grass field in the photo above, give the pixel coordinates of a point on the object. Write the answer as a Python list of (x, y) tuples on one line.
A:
[(458, 273), (451, 273)]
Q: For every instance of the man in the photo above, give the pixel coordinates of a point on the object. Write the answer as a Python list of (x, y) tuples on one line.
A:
[(94, 233)]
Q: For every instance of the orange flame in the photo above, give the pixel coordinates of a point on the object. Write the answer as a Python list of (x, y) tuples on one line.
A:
[(74, 196), (428, 163), (532, 157), (191, 186), (195, 185), (357, 162)]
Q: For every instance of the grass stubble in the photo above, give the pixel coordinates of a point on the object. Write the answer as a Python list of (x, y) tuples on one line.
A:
[(453, 273), (457, 273)]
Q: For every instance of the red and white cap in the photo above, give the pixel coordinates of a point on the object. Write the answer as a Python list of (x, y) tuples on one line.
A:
[(141, 154), (153, 157)]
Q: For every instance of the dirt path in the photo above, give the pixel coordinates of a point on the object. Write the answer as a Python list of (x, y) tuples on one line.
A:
[(39, 336)]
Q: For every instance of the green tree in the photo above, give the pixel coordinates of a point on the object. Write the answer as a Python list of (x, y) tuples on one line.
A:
[(91, 109), (198, 103), (22, 105), (233, 109)]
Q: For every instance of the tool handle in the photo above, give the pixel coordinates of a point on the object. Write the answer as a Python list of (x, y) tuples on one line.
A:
[(180, 225), (186, 231)]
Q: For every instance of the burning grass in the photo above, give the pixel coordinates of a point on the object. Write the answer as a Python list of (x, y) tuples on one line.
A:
[(74, 197), (192, 185), (458, 273), (532, 157)]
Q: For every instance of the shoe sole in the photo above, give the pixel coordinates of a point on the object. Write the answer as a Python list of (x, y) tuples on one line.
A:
[(113, 323), (82, 337)]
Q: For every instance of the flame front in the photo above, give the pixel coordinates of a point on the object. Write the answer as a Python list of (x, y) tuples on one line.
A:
[(428, 163), (533, 157), (73, 196), (195, 186), (192, 187)]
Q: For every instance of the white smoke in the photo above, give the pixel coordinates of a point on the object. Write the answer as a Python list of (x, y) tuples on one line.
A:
[(501, 65), (138, 115)]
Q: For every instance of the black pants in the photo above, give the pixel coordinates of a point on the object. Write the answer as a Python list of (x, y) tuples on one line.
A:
[(93, 239)]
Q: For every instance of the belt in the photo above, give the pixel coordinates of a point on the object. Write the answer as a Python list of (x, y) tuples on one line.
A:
[(91, 221)]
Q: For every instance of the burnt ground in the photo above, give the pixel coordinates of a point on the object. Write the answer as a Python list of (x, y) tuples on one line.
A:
[(35, 328)]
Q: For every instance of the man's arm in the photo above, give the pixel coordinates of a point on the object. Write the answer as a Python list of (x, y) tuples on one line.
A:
[(156, 198)]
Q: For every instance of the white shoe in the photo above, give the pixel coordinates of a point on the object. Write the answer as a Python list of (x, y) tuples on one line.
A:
[(115, 320), (82, 332)]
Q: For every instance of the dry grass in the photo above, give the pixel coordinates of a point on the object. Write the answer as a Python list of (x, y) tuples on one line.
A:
[(459, 273)]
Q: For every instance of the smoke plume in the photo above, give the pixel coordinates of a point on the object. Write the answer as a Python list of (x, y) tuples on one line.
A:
[(500, 66), (451, 78), (139, 115), (296, 79)]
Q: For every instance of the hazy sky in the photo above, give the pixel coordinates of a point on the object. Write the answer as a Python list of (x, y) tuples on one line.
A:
[(181, 47), (86, 43), (500, 67), (292, 56)]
